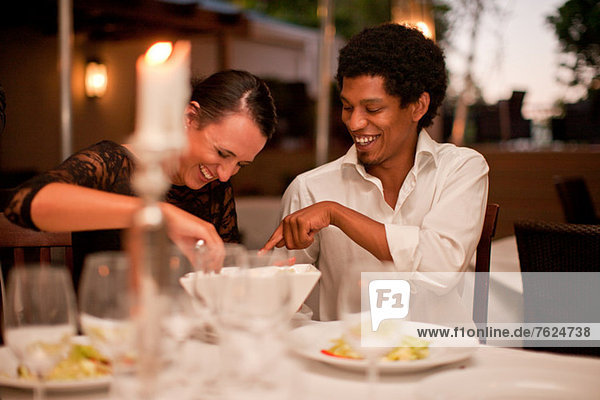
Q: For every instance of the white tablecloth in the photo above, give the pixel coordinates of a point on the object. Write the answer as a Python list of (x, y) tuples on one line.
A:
[(315, 380), (324, 382), (506, 287)]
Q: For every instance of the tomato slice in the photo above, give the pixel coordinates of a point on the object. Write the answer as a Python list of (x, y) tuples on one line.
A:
[(328, 353)]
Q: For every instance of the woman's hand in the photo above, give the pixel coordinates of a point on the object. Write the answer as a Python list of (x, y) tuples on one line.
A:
[(185, 230)]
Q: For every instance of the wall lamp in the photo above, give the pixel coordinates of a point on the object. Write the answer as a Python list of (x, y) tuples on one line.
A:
[(96, 79)]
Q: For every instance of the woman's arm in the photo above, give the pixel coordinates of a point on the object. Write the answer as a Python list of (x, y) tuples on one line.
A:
[(65, 207), (88, 178), (91, 190)]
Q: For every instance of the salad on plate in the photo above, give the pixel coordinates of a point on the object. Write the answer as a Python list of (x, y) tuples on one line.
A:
[(410, 348), (82, 362)]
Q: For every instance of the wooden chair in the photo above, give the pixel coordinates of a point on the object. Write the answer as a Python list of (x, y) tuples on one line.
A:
[(575, 199), (20, 245), (482, 267), (559, 248)]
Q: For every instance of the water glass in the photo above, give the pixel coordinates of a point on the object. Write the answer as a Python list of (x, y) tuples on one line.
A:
[(40, 318), (106, 306), (253, 327), (354, 312)]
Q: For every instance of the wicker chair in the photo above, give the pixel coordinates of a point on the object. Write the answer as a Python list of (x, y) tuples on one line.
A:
[(558, 247), (575, 199)]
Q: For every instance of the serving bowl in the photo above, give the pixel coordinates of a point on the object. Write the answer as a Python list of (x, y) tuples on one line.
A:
[(215, 289)]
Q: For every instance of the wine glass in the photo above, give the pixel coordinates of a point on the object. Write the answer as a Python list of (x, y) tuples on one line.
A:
[(40, 318), (354, 312), (253, 322), (177, 317), (214, 265), (178, 308), (106, 306)]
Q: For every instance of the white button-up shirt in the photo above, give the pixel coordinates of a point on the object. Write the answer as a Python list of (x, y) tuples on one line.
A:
[(434, 227)]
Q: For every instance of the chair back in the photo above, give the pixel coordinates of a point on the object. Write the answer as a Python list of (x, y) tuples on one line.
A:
[(21, 245), (482, 265), (575, 199), (557, 247), (568, 298)]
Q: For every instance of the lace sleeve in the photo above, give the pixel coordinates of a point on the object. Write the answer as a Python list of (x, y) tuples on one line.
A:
[(104, 166), (228, 227)]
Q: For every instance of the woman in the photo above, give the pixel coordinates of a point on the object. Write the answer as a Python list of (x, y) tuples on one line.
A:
[(228, 121)]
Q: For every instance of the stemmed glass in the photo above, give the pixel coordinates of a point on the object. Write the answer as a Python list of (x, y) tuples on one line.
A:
[(178, 319), (40, 318), (253, 321), (355, 314), (106, 306), (211, 264), (214, 265), (179, 309)]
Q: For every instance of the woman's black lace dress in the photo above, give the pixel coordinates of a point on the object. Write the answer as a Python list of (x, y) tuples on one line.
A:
[(108, 166)]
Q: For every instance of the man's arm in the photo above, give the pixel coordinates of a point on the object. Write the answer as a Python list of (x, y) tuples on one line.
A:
[(297, 230), (446, 237)]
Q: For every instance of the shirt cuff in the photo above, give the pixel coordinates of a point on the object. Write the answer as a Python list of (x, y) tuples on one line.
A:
[(403, 242)]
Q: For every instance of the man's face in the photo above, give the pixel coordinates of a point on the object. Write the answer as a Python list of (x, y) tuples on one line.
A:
[(379, 127)]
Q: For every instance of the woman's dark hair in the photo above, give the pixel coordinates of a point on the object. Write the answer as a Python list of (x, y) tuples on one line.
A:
[(409, 63), (229, 92)]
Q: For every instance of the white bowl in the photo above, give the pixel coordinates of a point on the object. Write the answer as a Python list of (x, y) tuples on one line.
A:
[(212, 289)]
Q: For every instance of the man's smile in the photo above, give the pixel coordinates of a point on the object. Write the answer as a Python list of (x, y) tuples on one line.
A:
[(364, 140)]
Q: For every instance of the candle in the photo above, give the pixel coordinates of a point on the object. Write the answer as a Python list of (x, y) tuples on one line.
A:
[(163, 91)]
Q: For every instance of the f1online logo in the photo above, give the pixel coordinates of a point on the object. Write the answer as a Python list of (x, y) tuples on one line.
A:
[(388, 299)]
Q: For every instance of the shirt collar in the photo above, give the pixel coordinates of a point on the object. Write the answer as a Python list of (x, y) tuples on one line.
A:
[(350, 160), (426, 149)]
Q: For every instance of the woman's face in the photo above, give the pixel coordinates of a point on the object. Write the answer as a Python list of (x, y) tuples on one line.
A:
[(218, 150)]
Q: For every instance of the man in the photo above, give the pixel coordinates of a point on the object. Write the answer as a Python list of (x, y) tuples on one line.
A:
[(396, 195)]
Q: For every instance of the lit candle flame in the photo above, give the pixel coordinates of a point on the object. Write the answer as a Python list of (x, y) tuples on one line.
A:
[(158, 53)]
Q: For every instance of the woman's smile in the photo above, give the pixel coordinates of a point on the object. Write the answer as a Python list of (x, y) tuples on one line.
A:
[(218, 150), (205, 174)]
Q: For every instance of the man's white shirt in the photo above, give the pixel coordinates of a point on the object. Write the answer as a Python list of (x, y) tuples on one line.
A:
[(432, 231)]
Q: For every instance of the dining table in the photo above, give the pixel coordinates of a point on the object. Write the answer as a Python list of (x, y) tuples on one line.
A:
[(485, 371)]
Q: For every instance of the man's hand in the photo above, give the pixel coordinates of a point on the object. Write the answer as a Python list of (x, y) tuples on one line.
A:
[(297, 230)]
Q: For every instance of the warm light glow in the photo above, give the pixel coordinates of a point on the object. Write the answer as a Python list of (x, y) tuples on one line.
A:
[(96, 79), (415, 13), (103, 270), (159, 52), (424, 28)]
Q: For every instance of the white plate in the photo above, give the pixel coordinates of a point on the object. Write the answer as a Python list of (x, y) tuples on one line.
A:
[(308, 341), (8, 377), (509, 383)]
